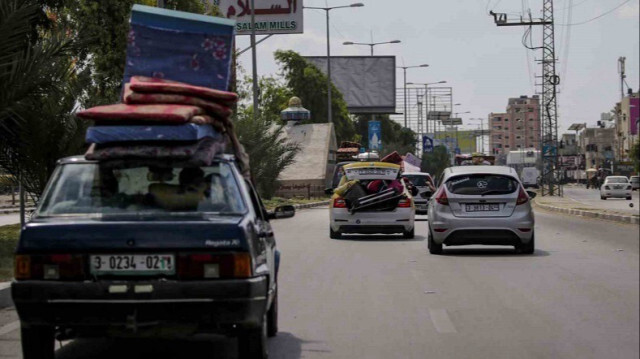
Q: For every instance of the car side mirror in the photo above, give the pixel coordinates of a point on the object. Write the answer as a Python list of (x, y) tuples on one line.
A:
[(286, 211), (532, 194), (328, 191)]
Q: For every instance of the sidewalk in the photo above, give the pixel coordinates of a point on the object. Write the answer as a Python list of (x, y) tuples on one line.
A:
[(569, 206)]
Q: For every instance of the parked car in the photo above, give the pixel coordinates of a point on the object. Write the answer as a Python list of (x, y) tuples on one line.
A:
[(481, 205), (424, 183), (360, 212), (616, 187), (635, 182), (147, 248)]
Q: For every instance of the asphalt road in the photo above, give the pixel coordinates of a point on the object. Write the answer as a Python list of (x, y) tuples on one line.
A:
[(591, 197), (385, 297)]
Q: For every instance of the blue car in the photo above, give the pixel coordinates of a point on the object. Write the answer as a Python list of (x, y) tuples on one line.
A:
[(133, 248)]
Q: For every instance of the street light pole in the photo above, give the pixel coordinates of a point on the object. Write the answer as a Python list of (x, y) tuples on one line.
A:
[(404, 68), (371, 44), (326, 10)]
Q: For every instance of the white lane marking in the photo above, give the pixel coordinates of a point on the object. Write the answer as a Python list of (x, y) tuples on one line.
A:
[(9, 327), (441, 321)]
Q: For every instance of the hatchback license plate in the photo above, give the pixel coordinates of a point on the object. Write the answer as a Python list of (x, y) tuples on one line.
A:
[(483, 207), (136, 264)]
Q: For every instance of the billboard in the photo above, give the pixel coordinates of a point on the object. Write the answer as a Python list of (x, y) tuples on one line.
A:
[(368, 83), (375, 136), (271, 16)]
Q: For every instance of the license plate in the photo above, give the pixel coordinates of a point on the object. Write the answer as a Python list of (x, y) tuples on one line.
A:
[(132, 264), (483, 207), (617, 187)]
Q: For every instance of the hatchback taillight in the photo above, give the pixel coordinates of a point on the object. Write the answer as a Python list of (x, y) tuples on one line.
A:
[(49, 267), (405, 203), (339, 202), (211, 266), (523, 197), (441, 196)]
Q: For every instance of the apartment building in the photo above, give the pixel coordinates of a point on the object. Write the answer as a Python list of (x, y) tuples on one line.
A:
[(517, 128)]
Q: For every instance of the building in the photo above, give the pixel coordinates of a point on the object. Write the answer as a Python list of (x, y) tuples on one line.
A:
[(517, 128), (597, 144), (627, 120)]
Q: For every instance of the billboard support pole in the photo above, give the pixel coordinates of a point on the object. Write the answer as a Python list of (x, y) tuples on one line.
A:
[(254, 61), (329, 114)]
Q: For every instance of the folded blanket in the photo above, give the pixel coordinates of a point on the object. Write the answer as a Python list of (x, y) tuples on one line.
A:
[(159, 86), (132, 97), (159, 113), (186, 132), (201, 152)]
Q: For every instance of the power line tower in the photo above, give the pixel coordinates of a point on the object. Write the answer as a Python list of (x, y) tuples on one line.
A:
[(549, 135)]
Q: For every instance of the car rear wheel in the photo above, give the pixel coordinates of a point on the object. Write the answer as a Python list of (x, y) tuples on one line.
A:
[(272, 317), (334, 234), (434, 248), (37, 342), (252, 344), (629, 198), (409, 234), (527, 248), (603, 198)]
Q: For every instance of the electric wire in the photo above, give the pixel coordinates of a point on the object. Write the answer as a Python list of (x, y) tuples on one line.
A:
[(597, 17)]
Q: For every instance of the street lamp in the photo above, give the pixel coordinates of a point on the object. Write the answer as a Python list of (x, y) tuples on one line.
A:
[(371, 44), (404, 68), (426, 92), (327, 9)]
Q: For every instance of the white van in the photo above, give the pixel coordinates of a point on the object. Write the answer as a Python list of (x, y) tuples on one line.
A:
[(529, 177)]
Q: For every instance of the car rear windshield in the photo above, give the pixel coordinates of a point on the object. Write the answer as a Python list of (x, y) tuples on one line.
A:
[(91, 188), (417, 180), (481, 184), (617, 180)]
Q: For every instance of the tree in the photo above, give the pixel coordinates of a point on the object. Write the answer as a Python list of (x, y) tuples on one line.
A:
[(635, 156), (435, 162), (310, 84), (38, 93)]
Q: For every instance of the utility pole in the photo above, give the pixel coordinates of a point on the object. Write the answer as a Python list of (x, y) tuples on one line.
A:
[(549, 107), (621, 71)]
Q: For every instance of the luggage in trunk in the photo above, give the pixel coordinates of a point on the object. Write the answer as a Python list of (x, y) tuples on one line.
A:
[(386, 200)]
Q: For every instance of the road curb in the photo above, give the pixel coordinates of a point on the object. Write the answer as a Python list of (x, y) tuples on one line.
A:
[(5, 295), (311, 205), (590, 214)]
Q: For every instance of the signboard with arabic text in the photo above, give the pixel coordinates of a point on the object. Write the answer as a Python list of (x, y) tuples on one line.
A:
[(271, 16)]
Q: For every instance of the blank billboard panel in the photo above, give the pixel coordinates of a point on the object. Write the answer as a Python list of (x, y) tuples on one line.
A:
[(368, 83)]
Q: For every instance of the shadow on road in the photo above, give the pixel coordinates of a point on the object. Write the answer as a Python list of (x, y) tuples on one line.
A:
[(284, 345), (491, 252), (380, 238)]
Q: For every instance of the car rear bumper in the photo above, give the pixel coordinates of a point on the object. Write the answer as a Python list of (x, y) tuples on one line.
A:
[(421, 205), (622, 193), (515, 229), (396, 221), (216, 305)]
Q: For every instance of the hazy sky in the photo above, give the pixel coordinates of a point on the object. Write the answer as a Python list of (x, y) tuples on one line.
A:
[(484, 64)]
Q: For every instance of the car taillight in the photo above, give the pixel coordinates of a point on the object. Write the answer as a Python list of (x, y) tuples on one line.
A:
[(211, 266), (405, 203), (339, 202), (441, 197), (606, 187), (49, 267), (522, 197)]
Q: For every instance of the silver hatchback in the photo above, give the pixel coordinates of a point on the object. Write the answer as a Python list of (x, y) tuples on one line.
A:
[(481, 205)]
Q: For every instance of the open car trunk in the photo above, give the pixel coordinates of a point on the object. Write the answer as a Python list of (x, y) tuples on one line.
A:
[(358, 200)]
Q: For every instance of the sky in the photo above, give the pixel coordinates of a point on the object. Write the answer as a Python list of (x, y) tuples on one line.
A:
[(484, 64)]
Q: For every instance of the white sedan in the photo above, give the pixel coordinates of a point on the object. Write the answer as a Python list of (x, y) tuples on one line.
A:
[(616, 187)]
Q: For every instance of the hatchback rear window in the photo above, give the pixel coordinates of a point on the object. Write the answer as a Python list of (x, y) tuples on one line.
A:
[(481, 184), (417, 180), (617, 180)]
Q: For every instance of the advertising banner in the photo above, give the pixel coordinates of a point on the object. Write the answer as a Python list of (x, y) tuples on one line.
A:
[(427, 144), (375, 136), (271, 16)]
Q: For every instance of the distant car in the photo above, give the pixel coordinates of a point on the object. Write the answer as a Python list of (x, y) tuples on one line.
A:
[(529, 177), (635, 182), (616, 187), (360, 212), (424, 183), (481, 205), (147, 248)]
